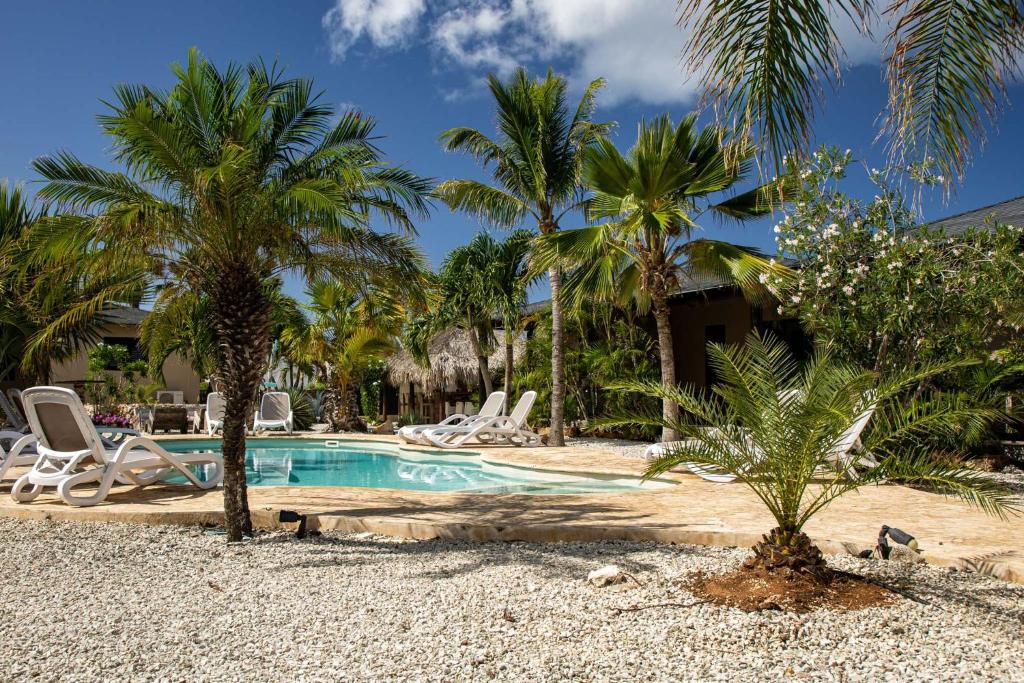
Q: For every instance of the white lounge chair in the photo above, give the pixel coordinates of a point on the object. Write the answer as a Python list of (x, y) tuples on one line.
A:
[(275, 412), (214, 412), (842, 456), (72, 453), (13, 415), (17, 449), (500, 429), (491, 408)]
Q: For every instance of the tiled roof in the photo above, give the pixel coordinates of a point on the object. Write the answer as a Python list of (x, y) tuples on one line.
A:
[(1011, 211), (124, 315)]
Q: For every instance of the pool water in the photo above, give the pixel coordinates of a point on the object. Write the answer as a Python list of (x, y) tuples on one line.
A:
[(306, 462)]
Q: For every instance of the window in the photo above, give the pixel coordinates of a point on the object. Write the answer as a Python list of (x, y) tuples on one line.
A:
[(135, 350)]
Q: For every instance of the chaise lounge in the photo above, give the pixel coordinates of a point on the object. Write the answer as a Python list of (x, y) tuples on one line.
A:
[(72, 453)]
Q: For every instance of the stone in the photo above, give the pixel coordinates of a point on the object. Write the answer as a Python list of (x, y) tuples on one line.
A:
[(606, 576)]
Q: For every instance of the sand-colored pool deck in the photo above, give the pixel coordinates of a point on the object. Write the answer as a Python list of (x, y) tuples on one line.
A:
[(690, 511)]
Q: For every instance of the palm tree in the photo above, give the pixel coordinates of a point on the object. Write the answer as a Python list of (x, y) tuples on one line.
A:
[(182, 325), (510, 278), (232, 177), (536, 163), (775, 424), (468, 298), (350, 328), (653, 197), (50, 307), (763, 62)]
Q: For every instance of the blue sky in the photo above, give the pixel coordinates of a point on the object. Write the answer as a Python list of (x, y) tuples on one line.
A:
[(417, 67)]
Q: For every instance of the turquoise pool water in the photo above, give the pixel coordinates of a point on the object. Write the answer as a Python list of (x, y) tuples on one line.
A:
[(306, 462)]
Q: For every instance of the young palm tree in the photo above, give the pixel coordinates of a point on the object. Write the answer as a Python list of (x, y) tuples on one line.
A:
[(350, 328), (510, 277), (230, 178), (948, 60), (479, 283), (776, 425), (468, 298), (653, 196), (536, 163), (180, 324)]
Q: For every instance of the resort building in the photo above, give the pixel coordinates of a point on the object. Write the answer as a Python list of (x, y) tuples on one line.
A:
[(124, 328)]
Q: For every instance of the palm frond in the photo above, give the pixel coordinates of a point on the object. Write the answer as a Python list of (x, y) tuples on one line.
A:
[(947, 72)]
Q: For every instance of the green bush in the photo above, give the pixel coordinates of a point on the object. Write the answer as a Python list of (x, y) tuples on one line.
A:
[(302, 409)]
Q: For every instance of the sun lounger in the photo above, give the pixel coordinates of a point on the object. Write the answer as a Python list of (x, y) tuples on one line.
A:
[(500, 429), (16, 450), (214, 412), (72, 453), (12, 414), (491, 408), (275, 412)]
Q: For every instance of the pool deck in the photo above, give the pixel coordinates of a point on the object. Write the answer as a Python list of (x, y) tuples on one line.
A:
[(691, 511)]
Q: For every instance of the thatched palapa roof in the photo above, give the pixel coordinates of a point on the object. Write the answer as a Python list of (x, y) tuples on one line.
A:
[(451, 361)]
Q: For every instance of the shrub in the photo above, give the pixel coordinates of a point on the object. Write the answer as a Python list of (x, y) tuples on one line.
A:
[(887, 292)]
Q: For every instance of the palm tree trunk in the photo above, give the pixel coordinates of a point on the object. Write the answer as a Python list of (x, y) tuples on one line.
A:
[(481, 360), (666, 353), (242, 322), (509, 361), (556, 437)]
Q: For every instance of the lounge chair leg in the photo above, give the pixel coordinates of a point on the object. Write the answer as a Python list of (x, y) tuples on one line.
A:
[(106, 478), (19, 493)]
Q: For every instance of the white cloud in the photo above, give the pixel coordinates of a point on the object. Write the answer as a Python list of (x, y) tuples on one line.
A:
[(635, 44), (386, 23)]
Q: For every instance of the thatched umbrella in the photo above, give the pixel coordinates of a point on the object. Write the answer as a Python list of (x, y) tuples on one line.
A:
[(452, 361)]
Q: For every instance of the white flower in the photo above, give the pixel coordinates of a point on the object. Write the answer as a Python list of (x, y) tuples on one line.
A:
[(762, 278), (848, 290), (777, 229), (779, 310), (796, 298)]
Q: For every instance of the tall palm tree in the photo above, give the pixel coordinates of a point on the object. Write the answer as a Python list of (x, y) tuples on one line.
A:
[(948, 61), (232, 177), (652, 198), (536, 162)]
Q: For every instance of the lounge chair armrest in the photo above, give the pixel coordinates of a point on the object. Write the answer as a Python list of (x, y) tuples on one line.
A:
[(133, 442), (454, 418)]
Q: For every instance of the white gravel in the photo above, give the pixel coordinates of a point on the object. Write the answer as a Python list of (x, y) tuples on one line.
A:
[(96, 602)]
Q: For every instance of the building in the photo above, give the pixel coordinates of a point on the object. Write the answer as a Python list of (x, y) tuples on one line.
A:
[(123, 327)]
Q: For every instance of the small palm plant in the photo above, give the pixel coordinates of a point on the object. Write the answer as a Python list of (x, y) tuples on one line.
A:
[(779, 427)]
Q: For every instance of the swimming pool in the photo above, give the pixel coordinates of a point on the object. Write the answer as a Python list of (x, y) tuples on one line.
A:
[(308, 462)]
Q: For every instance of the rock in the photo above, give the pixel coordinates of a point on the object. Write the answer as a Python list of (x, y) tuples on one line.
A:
[(606, 576)]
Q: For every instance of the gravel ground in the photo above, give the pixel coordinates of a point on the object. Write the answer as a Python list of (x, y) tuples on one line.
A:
[(106, 602)]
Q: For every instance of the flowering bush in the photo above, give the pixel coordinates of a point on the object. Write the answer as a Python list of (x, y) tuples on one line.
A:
[(886, 291), (111, 420)]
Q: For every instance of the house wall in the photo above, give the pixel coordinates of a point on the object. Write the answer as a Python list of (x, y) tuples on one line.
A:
[(699, 319), (178, 375)]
